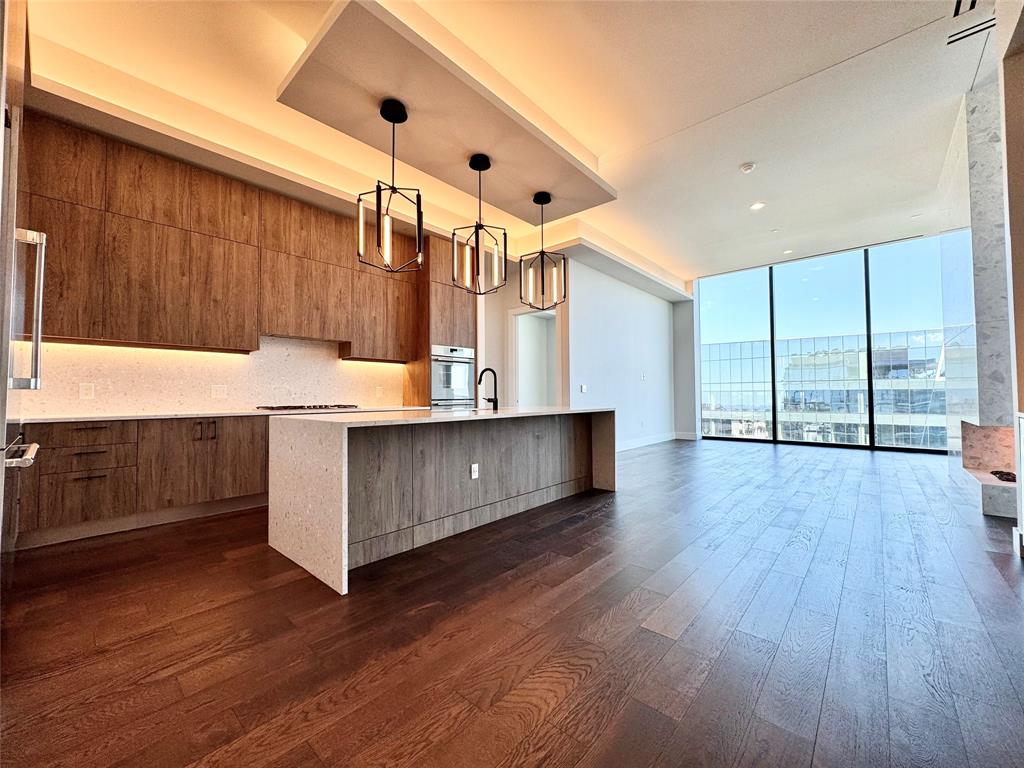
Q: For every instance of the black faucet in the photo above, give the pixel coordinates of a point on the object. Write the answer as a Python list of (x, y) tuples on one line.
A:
[(492, 400)]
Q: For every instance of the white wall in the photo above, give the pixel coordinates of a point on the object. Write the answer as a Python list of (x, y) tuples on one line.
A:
[(155, 381), (535, 366), (686, 367), (621, 348)]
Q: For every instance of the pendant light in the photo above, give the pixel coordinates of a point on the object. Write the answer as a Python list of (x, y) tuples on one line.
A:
[(542, 278), (383, 253), (479, 251)]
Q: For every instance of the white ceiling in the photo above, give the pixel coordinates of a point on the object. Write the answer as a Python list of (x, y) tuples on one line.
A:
[(847, 107)]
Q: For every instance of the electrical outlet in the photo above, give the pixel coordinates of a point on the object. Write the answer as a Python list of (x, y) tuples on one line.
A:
[(583, 388), (219, 391), (86, 390), (474, 471), (379, 392), (643, 375), (642, 425)]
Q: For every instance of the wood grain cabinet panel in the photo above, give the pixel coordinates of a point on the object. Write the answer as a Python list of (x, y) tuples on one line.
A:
[(380, 500), (285, 224), (405, 316), (333, 238), (84, 458), (146, 282), (63, 162), (69, 498), (147, 186), (81, 433), (223, 207), (439, 259), (73, 302), (174, 463), (223, 283), (304, 298), (369, 315), (452, 316), (239, 465)]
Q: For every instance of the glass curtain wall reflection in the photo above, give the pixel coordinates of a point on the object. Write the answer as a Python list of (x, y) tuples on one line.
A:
[(823, 311), (907, 350), (735, 356), (821, 372)]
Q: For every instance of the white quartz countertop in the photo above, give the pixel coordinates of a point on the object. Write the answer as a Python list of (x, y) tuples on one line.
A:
[(397, 409), (379, 419)]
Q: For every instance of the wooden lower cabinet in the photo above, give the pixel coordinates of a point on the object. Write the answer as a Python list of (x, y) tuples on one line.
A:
[(239, 466), (68, 498), (192, 461)]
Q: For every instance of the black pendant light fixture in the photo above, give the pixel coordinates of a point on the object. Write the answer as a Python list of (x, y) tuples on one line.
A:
[(383, 254), (542, 278), (479, 251)]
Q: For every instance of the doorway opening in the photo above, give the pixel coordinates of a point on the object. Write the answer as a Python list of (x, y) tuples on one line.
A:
[(533, 348)]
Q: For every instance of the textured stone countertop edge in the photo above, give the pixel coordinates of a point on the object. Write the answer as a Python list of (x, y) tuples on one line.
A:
[(206, 415)]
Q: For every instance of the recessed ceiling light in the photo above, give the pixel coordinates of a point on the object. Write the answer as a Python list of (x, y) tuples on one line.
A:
[(757, 206), (786, 253), (916, 215), (748, 166), (774, 231)]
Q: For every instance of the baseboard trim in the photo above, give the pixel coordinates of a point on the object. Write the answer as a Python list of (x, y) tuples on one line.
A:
[(640, 442)]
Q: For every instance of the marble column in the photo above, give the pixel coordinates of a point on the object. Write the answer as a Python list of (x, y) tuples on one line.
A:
[(993, 315)]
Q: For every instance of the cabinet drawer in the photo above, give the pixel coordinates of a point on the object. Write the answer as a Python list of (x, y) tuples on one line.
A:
[(69, 498), (78, 433), (83, 458)]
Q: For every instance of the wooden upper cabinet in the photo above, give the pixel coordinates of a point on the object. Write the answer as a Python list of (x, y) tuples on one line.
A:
[(439, 259), (333, 238), (452, 316), (146, 271), (285, 224), (63, 162), (369, 315), (147, 186), (304, 298), (73, 302), (403, 314), (223, 207), (223, 283)]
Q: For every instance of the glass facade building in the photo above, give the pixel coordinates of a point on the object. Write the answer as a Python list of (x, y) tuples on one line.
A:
[(798, 367)]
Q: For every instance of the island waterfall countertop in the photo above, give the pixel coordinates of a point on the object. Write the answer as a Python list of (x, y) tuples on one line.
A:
[(45, 419), (349, 488)]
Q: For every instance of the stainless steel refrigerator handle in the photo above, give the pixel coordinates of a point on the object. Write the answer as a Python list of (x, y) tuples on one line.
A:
[(38, 239), (26, 459)]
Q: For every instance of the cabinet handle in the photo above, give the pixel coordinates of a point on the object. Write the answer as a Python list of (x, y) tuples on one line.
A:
[(87, 453), (89, 477), (91, 426), (213, 428), (197, 433)]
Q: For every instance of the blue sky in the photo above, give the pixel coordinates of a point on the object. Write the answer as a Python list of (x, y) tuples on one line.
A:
[(824, 296)]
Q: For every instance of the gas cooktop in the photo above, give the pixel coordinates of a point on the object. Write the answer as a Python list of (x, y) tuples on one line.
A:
[(304, 407)]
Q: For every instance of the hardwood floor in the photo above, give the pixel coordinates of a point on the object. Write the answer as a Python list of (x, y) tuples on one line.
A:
[(731, 605)]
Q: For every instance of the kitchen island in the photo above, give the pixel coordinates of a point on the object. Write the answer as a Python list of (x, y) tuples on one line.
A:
[(347, 489)]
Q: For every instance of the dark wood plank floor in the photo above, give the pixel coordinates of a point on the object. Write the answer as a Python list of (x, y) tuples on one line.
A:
[(731, 605)]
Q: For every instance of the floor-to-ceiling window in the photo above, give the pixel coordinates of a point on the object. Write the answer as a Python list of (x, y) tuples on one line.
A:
[(785, 350), (821, 374), (906, 344), (735, 356)]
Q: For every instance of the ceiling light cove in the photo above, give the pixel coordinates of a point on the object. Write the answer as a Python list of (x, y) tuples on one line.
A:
[(758, 206)]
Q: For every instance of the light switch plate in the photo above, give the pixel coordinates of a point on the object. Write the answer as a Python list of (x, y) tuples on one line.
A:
[(583, 388), (474, 471), (86, 390), (219, 391)]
